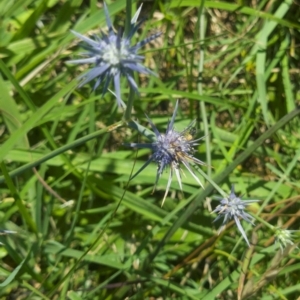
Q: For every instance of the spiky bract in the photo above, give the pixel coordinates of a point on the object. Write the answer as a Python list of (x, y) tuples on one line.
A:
[(171, 149), (113, 56), (234, 207)]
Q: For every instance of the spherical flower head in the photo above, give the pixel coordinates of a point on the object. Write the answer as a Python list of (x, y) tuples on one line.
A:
[(113, 56), (170, 149), (234, 207), (284, 237)]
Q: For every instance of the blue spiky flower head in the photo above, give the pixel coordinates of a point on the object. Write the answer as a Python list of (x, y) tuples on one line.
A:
[(113, 56), (170, 149), (233, 207)]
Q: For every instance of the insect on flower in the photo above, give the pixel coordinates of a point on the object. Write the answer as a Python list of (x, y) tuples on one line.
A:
[(234, 207), (113, 56), (190, 132), (172, 149)]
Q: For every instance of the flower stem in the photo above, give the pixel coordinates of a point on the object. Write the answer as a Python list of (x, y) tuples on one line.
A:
[(200, 88), (127, 114), (209, 179), (128, 17), (142, 130), (261, 220), (22, 209)]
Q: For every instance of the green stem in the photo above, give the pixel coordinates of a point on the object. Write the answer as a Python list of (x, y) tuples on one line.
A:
[(200, 88), (23, 211), (142, 130), (262, 221), (129, 105), (127, 114), (210, 180), (70, 233), (62, 149), (283, 178), (221, 177), (128, 17)]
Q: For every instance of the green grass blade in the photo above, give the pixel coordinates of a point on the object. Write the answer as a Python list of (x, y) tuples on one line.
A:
[(219, 178)]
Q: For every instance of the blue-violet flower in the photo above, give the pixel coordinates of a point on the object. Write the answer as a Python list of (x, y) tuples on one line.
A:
[(234, 207), (113, 56), (171, 149)]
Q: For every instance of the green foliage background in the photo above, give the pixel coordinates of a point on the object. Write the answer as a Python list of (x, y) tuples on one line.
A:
[(82, 230)]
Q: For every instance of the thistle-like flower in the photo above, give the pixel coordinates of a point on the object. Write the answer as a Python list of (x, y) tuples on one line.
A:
[(284, 237), (171, 149), (234, 207), (113, 56)]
